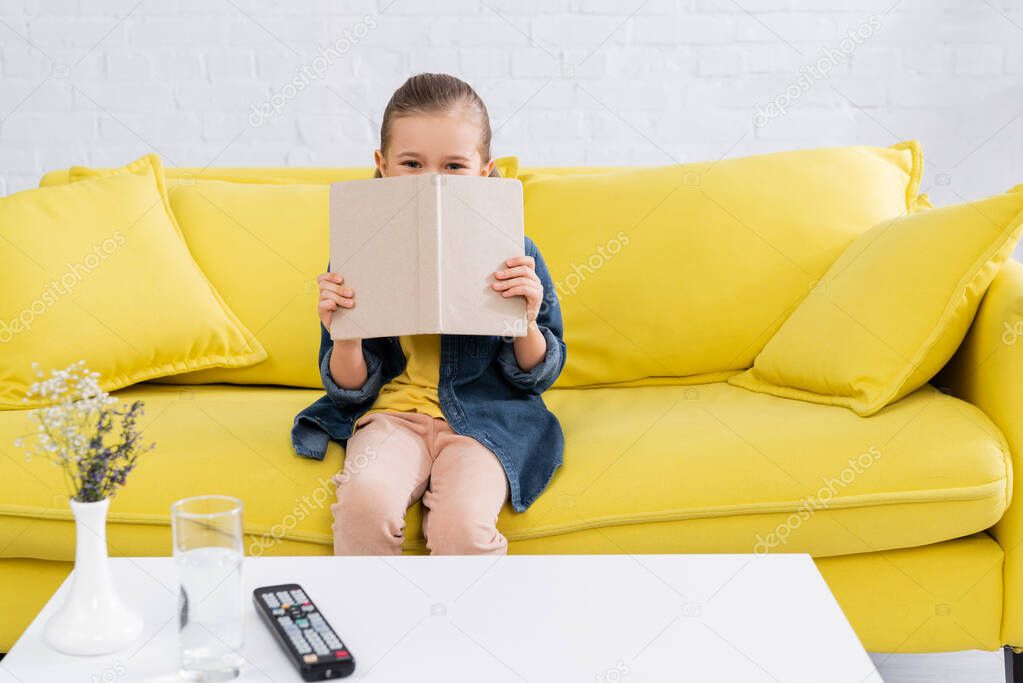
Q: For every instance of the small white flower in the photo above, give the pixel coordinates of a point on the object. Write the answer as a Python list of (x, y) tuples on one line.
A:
[(74, 405)]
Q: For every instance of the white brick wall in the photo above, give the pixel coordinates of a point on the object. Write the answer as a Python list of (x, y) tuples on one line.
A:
[(567, 81)]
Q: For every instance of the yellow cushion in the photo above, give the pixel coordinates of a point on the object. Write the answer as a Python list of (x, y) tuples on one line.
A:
[(892, 309), (711, 468), (507, 166), (686, 271), (98, 271), (262, 246)]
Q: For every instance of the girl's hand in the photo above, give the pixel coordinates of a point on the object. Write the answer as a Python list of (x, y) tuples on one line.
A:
[(519, 279), (333, 295)]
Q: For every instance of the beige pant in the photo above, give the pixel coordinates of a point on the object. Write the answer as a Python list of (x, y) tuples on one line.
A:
[(391, 461)]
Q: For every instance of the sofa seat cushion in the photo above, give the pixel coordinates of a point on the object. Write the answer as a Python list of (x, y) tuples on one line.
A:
[(704, 468)]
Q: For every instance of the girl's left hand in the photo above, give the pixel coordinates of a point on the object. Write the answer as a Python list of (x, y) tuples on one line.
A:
[(519, 279)]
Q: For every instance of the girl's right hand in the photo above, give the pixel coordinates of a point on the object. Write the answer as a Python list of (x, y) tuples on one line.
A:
[(333, 295)]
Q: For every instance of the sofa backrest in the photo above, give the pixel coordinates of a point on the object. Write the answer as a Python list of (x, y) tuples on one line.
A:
[(668, 274), (507, 166), (682, 273)]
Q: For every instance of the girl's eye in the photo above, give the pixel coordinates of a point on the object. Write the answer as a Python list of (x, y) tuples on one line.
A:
[(411, 163), (454, 166)]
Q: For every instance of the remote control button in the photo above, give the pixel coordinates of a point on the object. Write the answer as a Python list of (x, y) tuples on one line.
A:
[(278, 611), (270, 599), (309, 659), (302, 622), (307, 608), (341, 654), (299, 596), (284, 597), (315, 640)]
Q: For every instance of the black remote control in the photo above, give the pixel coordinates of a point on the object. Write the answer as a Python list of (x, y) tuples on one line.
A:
[(305, 635)]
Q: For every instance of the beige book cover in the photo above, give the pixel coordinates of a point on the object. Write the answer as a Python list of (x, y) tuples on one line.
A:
[(420, 252)]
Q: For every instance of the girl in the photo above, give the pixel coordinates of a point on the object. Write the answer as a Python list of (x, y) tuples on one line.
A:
[(455, 420)]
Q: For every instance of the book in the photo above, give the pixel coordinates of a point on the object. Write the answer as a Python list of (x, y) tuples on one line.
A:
[(420, 252)]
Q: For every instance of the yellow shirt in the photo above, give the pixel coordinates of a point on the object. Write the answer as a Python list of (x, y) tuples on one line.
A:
[(415, 389)]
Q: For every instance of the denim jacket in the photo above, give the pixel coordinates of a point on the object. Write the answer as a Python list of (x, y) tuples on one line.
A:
[(483, 394)]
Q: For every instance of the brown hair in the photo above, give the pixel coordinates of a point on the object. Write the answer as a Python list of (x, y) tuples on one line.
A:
[(431, 93)]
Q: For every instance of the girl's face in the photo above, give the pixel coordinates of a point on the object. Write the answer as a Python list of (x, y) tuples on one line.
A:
[(445, 142)]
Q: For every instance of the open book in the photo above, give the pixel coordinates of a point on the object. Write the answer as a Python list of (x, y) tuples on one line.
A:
[(420, 252)]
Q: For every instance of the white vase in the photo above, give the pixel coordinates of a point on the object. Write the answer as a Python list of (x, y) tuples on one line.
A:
[(93, 619)]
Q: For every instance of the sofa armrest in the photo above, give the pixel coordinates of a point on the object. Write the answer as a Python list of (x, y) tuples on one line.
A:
[(987, 371)]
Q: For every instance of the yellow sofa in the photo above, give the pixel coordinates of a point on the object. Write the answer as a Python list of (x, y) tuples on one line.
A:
[(907, 513)]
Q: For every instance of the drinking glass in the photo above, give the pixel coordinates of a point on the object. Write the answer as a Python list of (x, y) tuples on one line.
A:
[(207, 533)]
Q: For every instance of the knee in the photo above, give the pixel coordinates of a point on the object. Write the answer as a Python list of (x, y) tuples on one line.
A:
[(452, 530), (367, 520)]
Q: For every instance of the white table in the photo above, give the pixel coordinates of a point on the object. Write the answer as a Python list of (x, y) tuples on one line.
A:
[(603, 618)]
